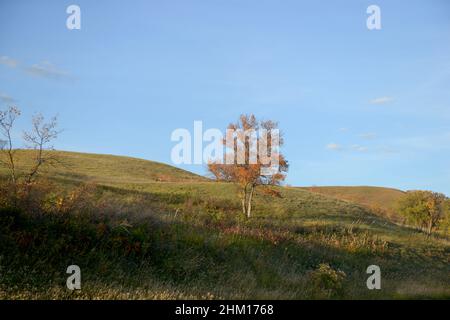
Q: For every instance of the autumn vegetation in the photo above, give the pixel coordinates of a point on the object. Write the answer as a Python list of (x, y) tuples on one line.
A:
[(247, 174), (38, 139), (425, 209), (145, 230)]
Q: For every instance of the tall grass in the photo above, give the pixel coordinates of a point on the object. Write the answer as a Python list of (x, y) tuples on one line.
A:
[(138, 238)]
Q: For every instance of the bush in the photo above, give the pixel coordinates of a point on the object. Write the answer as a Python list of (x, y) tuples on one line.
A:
[(327, 282)]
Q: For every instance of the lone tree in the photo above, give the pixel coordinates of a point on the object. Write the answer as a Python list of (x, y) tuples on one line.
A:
[(252, 157), (424, 209), (7, 119), (37, 139)]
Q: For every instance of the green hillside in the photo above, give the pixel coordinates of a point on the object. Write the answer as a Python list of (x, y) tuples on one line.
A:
[(140, 229), (106, 169), (379, 199)]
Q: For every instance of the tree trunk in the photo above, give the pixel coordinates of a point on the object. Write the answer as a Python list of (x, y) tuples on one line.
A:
[(12, 167), (249, 205), (430, 227), (244, 200)]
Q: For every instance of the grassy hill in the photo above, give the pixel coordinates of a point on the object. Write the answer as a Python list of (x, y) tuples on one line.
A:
[(141, 229), (379, 199), (106, 169)]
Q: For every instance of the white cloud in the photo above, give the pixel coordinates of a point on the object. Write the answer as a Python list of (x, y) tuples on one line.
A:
[(6, 99), (338, 147), (7, 61), (44, 69), (381, 100), (359, 148), (368, 135), (47, 70), (334, 146)]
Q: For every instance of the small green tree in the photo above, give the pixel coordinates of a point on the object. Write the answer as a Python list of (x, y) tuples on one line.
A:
[(424, 209)]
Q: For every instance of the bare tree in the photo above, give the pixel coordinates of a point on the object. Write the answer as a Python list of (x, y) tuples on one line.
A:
[(39, 138), (7, 119)]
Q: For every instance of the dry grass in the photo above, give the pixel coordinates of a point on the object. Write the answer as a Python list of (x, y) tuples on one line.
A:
[(142, 239)]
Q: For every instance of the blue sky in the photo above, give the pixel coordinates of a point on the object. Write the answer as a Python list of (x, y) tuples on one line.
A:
[(357, 107)]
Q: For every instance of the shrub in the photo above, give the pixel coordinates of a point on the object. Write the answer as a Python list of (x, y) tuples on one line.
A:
[(327, 282)]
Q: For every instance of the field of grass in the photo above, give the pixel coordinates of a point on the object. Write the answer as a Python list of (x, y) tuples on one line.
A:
[(378, 199), (105, 169), (144, 230)]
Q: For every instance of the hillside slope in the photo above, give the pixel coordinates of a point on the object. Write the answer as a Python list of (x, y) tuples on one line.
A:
[(107, 169), (150, 231), (170, 186), (379, 199)]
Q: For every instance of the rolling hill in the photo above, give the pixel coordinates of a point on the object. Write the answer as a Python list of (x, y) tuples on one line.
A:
[(379, 199), (158, 179), (106, 169), (146, 230)]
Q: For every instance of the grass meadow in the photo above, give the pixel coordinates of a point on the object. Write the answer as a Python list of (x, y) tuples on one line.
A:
[(145, 230)]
